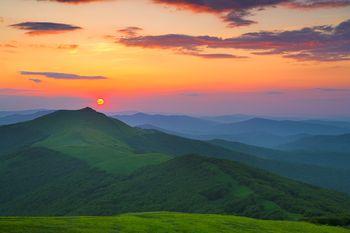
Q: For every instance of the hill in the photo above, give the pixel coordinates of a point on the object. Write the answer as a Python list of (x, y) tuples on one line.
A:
[(112, 146), (330, 143), (122, 169), (187, 184), (16, 118), (254, 131), (312, 156), (177, 123), (158, 222), (279, 127)]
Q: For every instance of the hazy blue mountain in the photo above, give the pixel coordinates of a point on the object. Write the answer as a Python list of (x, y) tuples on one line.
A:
[(321, 143), (335, 160), (282, 128), (24, 112), (176, 123), (20, 117), (229, 118), (255, 131), (340, 124)]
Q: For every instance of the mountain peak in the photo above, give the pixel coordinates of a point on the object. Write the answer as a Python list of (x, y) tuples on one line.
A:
[(87, 109)]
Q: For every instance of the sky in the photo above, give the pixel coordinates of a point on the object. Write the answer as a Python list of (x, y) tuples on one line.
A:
[(199, 57)]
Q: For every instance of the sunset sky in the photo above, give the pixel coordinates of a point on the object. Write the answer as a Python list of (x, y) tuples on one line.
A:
[(201, 57)]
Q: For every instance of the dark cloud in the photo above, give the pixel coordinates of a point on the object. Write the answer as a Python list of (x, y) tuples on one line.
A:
[(235, 11), (130, 31), (55, 75), (181, 44), (35, 80), (320, 43), (38, 28)]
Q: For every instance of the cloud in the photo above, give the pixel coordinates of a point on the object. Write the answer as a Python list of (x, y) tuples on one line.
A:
[(35, 80), (130, 31), (55, 75), (273, 93), (319, 43), (332, 89), (39, 28), (8, 45), (68, 46), (13, 91), (74, 1), (181, 44), (192, 94), (235, 12)]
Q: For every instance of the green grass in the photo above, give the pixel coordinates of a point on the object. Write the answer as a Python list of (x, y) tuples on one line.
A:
[(158, 223)]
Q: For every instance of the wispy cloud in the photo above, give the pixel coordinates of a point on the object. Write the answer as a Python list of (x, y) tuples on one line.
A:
[(130, 31), (67, 46), (15, 91), (324, 89), (35, 80), (274, 92), (319, 43), (56, 75), (74, 1), (39, 28)]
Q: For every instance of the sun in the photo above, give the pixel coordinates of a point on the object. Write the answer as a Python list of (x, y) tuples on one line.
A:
[(100, 101)]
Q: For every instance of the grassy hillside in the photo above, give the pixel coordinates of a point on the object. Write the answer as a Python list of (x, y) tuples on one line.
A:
[(160, 223), (83, 163), (319, 158), (38, 181)]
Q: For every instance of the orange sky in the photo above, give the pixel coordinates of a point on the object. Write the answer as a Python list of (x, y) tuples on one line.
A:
[(135, 74)]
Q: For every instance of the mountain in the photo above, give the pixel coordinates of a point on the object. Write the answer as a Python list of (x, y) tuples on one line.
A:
[(163, 222), (229, 118), (254, 131), (333, 160), (176, 123), (15, 118), (321, 143), (85, 163), (184, 184), (278, 127), (21, 112), (340, 124)]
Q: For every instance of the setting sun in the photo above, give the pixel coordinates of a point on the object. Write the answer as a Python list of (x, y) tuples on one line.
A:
[(100, 101)]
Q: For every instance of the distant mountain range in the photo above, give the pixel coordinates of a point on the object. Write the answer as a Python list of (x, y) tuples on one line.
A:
[(85, 163), (255, 131), (321, 143), (16, 117)]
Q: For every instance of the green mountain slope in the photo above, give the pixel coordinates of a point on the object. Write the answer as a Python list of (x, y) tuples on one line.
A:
[(39, 181), (83, 163), (112, 146), (160, 223), (319, 158)]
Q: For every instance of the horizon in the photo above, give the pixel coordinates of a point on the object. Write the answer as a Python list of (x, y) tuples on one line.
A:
[(134, 112)]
